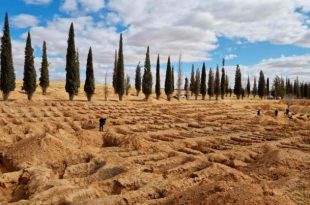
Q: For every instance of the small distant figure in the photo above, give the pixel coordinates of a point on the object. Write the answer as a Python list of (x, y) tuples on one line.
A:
[(287, 111), (258, 112), (101, 124), (276, 112)]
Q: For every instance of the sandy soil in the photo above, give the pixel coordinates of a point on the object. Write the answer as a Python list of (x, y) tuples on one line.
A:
[(156, 152)]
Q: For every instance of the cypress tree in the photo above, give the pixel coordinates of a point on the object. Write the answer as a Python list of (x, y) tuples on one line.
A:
[(203, 86), (168, 81), (197, 84), (186, 88), (120, 70), (282, 88), (238, 84), (226, 85), (29, 70), (147, 82), (248, 87), (77, 72), (223, 82), (261, 85), (114, 81), (217, 88), (71, 76), (267, 87), (254, 92), (211, 84), (89, 86), (44, 79), (157, 85), (173, 78), (138, 79), (192, 83), (7, 80)]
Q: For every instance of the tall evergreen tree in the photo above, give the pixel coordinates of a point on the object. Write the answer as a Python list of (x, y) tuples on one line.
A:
[(29, 70), (282, 88), (89, 86), (211, 84), (120, 71), (180, 78), (217, 88), (44, 79), (186, 88), (147, 81), (114, 80), (248, 87), (71, 76), (203, 85), (254, 92), (173, 77), (168, 82), (238, 83), (138, 79), (192, 83), (223, 82), (7, 80), (267, 87), (226, 85), (77, 72), (276, 86), (261, 85), (157, 85), (197, 84)]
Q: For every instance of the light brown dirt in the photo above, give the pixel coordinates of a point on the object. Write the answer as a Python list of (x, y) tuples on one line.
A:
[(156, 152)]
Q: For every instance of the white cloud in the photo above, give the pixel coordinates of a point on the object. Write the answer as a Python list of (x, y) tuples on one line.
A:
[(24, 21), (38, 2), (82, 6), (230, 56)]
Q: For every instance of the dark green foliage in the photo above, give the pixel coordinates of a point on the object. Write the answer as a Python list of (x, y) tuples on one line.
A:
[(261, 85), (217, 88), (243, 93), (276, 87), (254, 92), (267, 87), (197, 84), (120, 70), (138, 79), (7, 80), (168, 81), (44, 79), (238, 84), (30, 76), (211, 84), (282, 88), (186, 88), (173, 78), (114, 74), (248, 87), (226, 85), (157, 85), (203, 85), (192, 83), (147, 81), (223, 82), (77, 72), (89, 86), (71, 76)]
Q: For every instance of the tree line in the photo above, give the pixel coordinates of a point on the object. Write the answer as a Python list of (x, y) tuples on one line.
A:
[(216, 84)]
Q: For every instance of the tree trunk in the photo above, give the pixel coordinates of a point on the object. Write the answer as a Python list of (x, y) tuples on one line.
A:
[(120, 97), (138, 93), (5, 96), (169, 97), (71, 96), (29, 96), (196, 97), (147, 97), (157, 97), (89, 96), (44, 91), (203, 97)]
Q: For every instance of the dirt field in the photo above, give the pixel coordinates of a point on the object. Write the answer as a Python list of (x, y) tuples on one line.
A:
[(156, 152)]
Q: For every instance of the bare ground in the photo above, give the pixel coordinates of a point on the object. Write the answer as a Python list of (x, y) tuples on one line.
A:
[(156, 152)]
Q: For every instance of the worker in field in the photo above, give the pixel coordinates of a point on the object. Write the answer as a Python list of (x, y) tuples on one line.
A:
[(102, 122), (276, 112), (258, 112)]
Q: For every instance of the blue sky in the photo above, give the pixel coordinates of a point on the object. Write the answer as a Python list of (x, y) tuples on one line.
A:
[(272, 35)]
